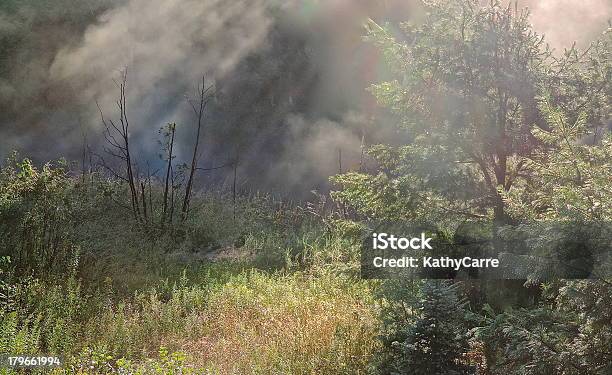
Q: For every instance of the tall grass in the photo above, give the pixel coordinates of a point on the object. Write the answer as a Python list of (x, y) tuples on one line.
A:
[(115, 296), (250, 323), (287, 324)]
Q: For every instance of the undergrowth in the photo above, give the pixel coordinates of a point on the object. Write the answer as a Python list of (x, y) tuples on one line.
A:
[(253, 286)]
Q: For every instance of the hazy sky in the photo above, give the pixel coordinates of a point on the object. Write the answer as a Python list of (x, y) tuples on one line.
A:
[(565, 21)]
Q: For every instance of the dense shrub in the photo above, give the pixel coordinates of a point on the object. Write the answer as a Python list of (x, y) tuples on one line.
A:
[(569, 334), (36, 218), (425, 332)]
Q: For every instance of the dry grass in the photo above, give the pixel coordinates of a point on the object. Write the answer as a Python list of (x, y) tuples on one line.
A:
[(258, 324)]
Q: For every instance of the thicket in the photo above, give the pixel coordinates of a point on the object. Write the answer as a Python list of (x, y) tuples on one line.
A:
[(513, 139)]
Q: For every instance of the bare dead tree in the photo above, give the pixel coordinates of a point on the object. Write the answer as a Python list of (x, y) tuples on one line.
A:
[(117, 137), (177, 179), (150, 189), (85, 146), (172, 201), (205, 95), (171, 132), (143, 198), (362, 150)]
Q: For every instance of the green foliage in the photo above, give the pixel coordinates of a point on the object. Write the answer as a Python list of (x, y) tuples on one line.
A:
[(569, 180), (36, 218), (464, 87), (427, 335), (570, 334), (582, 83), (18, 336), (467, 85), (43, 317), (96, 361), (564, 201), (568, 183)]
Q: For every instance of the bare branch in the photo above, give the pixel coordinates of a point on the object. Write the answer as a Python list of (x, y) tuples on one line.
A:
[(204, 98)]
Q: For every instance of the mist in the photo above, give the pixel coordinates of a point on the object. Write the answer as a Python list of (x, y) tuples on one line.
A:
[(290, 79)]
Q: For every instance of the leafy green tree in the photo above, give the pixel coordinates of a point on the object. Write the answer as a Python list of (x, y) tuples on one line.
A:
[(567, 182), (503, 131), (465, 87)]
